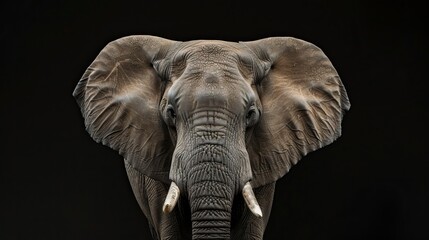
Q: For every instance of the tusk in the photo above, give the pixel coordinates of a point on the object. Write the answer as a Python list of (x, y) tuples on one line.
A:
[(251, 201), (171, 199)]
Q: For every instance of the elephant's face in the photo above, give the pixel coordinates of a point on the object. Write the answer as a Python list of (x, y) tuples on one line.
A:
[(208, 106), (212, 118)]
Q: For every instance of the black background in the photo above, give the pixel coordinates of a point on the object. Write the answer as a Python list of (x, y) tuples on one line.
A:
[(57, 183)]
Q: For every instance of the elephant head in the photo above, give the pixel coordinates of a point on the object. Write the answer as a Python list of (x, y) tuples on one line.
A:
[(212, 118)]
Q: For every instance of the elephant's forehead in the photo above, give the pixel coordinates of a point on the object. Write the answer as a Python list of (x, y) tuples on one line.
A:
[(209, 74), (209, 50), (213, 57)]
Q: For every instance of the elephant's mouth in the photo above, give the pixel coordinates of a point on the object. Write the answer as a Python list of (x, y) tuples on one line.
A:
[(247, 192)]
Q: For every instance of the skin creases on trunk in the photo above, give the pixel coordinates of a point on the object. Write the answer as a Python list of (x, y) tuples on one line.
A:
[(211, 187)]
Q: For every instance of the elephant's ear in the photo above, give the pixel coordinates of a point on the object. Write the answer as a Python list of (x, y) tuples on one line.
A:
[(119, 95), (303, 102)]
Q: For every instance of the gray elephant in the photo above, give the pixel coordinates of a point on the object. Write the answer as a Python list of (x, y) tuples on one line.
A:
[(207, 127)]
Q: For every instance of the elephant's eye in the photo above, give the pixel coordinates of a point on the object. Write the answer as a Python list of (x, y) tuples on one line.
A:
[(171, 114), (252, 116), (250, 113)]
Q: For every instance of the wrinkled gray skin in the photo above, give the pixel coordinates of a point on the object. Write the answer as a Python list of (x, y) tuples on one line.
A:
[(210, 116)]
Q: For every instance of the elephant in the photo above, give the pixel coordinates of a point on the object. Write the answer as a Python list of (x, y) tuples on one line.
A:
[(207, 127)]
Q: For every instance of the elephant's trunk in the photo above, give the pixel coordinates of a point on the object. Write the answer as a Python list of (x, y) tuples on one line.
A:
[(211, 212), (211, 166), (211, 188)]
